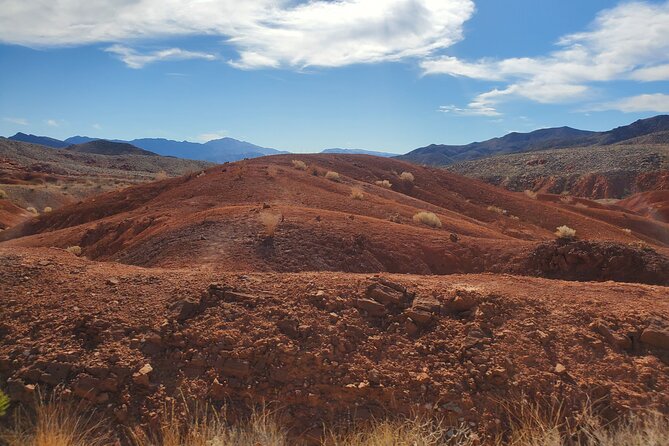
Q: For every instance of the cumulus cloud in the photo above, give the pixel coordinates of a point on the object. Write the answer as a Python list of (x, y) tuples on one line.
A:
[(265, 33), (627, 42), (52, 123), (658, 103), (135, 59)]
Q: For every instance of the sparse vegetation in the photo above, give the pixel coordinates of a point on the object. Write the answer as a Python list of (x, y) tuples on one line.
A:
[(384, 183), (270, 222), (533, 195), (566, 199), (4, 403), (565, 232), (32, 210), (356, 193), (47, 209), (3, 194), (407, 177), (299, 165), (332, 176), (627, 231), (54, 424), (161, 175), (76, 250), (497, 210), (427, 218)]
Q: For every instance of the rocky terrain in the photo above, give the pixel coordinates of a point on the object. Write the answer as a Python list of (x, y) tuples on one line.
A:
[(615, 171), (38, 177), (310, 283)]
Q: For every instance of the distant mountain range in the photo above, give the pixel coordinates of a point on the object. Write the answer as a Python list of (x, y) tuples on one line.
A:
[(644, 130), (360, 152), (217, 151)]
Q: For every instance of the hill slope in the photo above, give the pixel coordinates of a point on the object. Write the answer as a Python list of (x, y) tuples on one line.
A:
[(614, 171), (561, 137), (104, 147), (224, 220)]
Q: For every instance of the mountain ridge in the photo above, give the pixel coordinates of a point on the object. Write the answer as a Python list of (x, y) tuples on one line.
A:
[(541, 139)]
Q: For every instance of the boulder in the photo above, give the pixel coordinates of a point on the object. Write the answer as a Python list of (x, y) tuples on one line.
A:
[(656, 334)]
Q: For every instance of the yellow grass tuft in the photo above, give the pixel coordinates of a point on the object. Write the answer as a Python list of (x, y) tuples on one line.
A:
[(299, 165), (76, 250), (565, 231), (356, 193), (427, 218), (496, 209), (3, 194), (407, 177), (384, 183), (270, 222), (332, 176), (47, 209), (531, 194), (161, 175)]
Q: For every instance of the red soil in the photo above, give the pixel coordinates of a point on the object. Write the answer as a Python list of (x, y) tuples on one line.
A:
[(183, 276), (650, 204), (214, 220), (326, 346)]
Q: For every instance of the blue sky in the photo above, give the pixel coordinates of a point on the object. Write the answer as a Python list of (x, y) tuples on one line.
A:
[(388, 75)]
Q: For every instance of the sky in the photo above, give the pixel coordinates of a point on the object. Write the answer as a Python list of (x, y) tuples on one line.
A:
[(389, 75)]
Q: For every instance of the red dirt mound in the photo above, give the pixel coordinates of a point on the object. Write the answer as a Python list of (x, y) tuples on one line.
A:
[(326, 346), (650, 204), (11, 215), (216, 220)]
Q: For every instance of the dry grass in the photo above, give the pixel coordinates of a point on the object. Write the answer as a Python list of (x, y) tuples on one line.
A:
[(529, 424), (76, 250), (384, 183), (427, 218), (47, 209), (4, 403), (32, 210), (407, 177), (161, 175), (332, 176), (533, 195), (299, 165), (356, 193), (3, 194), (496, 209), (197, 427), (270, 222), (627, 231), (567, 199), (565, 231), (53, 424)]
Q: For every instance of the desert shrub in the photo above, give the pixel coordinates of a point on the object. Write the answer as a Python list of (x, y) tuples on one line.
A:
[(76, 250), (566, 199), (32, 210), (356, 193), (384, 183), (565, 231), (161, 175), (416, 432), (299, 165), (496, 209), (48, 209), (427, 218), (531, 194), (270, 222), (3, 194), (332, 176), (627, 231), (407, 177)]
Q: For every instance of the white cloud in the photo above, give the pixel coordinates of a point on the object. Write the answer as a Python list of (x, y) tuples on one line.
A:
[(205, 137), (627, 42), (134, 59), (52, 123), (473, 109), (97, 126), (658, 103), (17, 121), (265, 33)]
